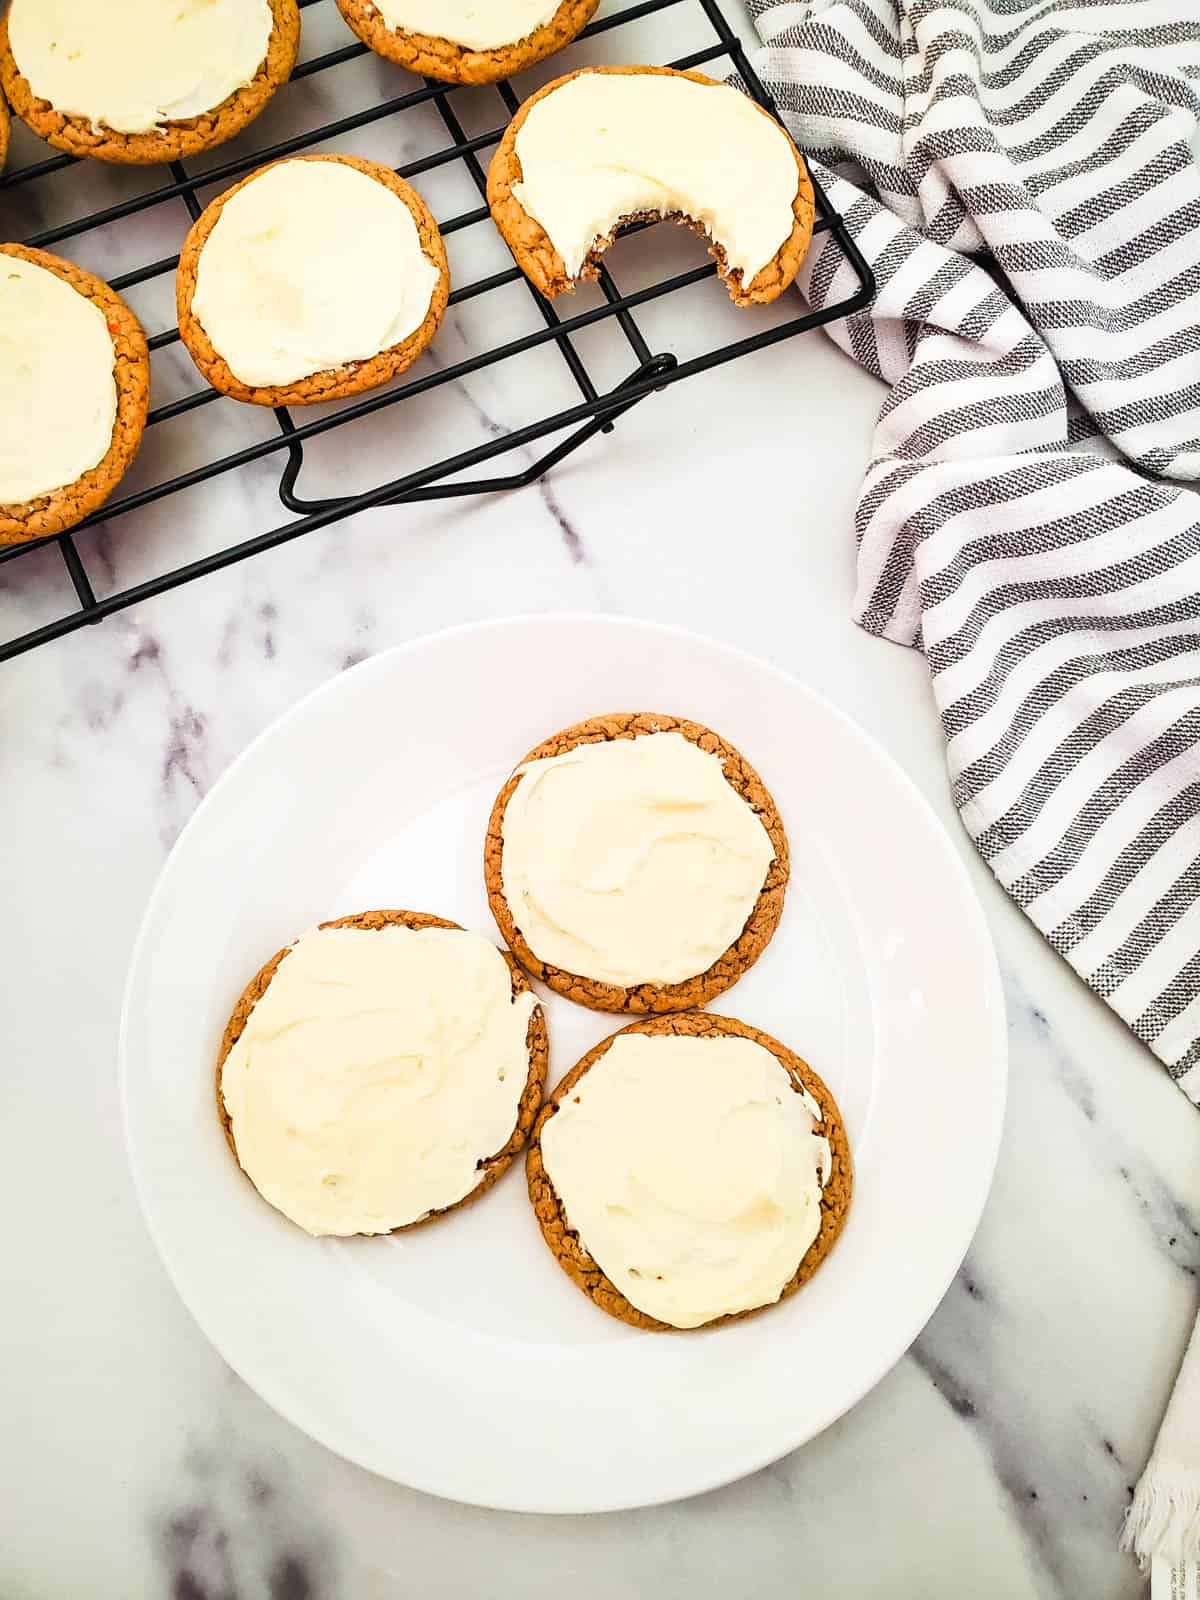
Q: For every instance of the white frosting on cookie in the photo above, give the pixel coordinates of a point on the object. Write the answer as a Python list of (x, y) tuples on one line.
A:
[(376, 1073), (311, 265), (134, 65), (631, 860), (692, 1171), (607, 145), (58, 392), (474, 24)]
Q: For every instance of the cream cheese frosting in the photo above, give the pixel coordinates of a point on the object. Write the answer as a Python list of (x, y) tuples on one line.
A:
[(474, 24), (311, 265), (136, 65), (692, 1171), (607, 145), (376, 1073), (631, 860), (58, 391)]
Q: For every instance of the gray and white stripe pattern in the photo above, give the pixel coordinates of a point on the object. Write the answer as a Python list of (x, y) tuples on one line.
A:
[(1020, 175)]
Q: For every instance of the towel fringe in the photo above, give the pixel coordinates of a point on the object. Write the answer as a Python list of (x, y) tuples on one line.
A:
[(1164, 1519)]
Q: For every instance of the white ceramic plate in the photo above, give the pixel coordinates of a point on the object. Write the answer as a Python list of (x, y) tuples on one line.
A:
[(460, 1359)]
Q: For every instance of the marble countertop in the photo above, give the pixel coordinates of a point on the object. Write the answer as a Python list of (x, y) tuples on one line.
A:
[(997, 1458)]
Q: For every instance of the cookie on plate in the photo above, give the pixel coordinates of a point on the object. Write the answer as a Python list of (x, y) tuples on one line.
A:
[(381, 1071), (143, 81), (636, 863), (74, 387), (607, 146), (690, 1170), (460, 41), (273, 307)]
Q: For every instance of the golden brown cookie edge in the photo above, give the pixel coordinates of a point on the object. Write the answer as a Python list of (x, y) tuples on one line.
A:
[(537, 1043), (569, 1250), (434, 57), (337, 383), (759, 928), (541, 263), (64, 508), (175, 140)]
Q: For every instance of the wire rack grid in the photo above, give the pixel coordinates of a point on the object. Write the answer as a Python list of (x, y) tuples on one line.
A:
[(595, 409)]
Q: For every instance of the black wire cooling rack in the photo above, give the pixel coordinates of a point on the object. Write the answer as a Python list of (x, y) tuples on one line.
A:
[(594, 412)]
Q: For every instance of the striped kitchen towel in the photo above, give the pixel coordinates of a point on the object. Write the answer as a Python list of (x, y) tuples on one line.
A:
[(1020, 174)]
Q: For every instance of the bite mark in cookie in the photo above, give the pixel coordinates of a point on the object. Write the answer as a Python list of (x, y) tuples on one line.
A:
[(606, 146)]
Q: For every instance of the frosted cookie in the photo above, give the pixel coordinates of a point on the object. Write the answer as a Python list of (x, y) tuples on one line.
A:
[(461, 41), (689, 1171), (636, 863), (380, 1071), (276, 310), (144, 81), (74, 387), (607, 146)]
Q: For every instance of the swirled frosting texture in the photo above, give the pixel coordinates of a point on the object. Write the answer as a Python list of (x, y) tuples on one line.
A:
[(692, 1171), (631, 861), (607, 145), (376, 1073), (280, 293), (137, 64), (58, 393), (474, 24)]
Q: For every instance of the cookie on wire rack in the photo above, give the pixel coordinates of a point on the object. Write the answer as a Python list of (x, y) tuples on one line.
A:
[(459, 41), (272, 307), (142, 81), (607, 146), (74, 389)]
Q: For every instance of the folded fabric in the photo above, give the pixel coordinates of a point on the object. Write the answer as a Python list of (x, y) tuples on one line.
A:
[(1038, 259), (1020, 175)]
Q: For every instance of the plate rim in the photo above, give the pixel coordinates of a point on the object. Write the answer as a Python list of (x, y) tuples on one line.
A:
[(736, 1466)]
